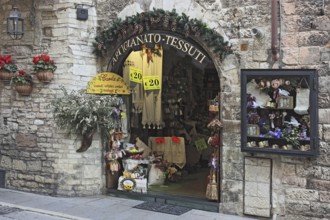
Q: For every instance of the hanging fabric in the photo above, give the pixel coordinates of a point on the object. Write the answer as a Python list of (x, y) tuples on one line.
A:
[(152, 103), (173, 149), (134, 60), (302, 98)]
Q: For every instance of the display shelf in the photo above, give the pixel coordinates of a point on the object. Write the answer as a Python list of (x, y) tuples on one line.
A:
[(279, 111)]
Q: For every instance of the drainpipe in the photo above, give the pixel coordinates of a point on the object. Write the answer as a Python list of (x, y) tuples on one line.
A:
[(274, 43)]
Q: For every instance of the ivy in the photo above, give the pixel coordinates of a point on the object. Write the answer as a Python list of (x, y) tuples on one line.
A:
[(158, 19)]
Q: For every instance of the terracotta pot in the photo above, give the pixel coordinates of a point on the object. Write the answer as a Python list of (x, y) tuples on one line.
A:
[(24, 89), (5, 74), (45, 75)]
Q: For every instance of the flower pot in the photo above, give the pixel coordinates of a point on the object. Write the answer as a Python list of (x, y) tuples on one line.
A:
[(24, 89), (5, 74), (45, 75)]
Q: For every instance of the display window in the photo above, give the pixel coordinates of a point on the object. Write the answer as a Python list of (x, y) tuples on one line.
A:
[(169, 139), (279, 111)]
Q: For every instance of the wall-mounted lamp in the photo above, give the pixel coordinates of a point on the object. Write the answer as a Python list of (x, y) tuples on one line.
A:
[(82, 13), (15, 24)]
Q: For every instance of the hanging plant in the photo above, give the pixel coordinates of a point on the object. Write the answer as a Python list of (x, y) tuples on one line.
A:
[(84, 114), (159, 19)]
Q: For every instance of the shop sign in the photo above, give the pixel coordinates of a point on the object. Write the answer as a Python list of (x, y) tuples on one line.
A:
[(108, 83), (151, 83), (135, 75), (178, 43)]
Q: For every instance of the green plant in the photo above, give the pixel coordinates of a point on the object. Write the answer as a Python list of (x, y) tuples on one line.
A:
[(7, 64), (21, 78), (155, 20), (83, 114), (43, 62)]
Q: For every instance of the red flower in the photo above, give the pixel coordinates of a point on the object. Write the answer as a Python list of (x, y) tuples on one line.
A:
[(43, 62), (2, 63), (22, 72), (160, 140), (36, 59), (176, 139), (45, 57), (7, 59)]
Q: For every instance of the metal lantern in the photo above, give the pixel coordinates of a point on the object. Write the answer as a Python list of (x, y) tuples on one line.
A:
[(15, 24)]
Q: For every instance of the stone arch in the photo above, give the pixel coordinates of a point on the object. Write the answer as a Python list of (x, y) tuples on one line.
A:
[(159, 20), (212, 57)]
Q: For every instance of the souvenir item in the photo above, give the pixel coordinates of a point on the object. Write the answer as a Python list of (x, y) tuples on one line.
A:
[(128, 184), (200, 144), (214, 124), (302, 99), (214, 140), (212, 189), (261, 97), (156, 176)]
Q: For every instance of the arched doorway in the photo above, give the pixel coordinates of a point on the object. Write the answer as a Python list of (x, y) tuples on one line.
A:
[(182, 105), (187, 62)]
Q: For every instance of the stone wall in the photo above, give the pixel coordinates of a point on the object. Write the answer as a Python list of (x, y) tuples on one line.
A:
[(302, 184), (38, 157)]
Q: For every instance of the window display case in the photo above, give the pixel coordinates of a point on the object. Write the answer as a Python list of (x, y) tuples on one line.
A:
[(279, 111)]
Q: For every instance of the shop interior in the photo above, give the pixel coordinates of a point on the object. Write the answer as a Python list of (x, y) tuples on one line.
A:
[(170, 142)]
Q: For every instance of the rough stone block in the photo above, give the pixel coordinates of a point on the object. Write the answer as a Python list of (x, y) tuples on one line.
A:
[(26, 140), (289, 8), (39, 122), (39, 179), (91, 171), (25, 177), (294, 181), (263, 190), (320, 208), (251, 189), (302, 194), (326, 132), (264, 162), (33, 165), (290, 23), (298, 208), (251, 161), (233, 155), (324, 116), (19, 165), (324, 197), (317, 184), (5, 162), (84, 70), (309, 55), (257, 202), (257, 212), (323, 23), (260, 55), (290, 56), (288, 169)]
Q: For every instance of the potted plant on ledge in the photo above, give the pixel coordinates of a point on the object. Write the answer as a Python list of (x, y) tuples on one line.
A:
[(44, 67), (7, 68), (23, 82)]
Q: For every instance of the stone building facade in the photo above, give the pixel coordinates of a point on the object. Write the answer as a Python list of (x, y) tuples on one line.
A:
[(38, 157)]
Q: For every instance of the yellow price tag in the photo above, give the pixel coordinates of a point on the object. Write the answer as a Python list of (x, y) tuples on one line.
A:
[(151, 82), (135, 75)]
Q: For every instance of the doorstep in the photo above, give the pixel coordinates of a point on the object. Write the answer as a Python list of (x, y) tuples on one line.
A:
[(185, 201)]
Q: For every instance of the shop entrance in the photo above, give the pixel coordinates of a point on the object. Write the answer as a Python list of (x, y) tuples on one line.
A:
[(173, 142)]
